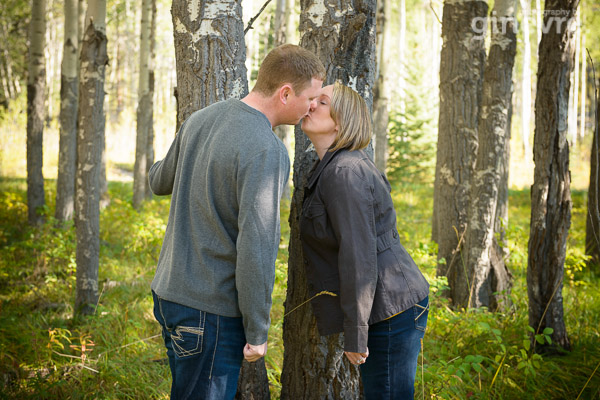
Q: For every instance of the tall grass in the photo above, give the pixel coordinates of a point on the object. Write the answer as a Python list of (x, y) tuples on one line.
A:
[(45, 353)]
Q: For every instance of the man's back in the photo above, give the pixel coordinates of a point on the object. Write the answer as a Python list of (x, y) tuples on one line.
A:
[(226, 171)]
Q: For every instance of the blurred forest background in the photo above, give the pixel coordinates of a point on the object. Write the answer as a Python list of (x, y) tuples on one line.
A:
[(491, 343)]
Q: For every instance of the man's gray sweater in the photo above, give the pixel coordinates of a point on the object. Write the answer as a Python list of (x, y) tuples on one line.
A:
[(226, 171)]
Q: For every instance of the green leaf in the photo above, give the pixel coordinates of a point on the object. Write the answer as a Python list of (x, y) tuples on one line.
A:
[(526, 344), (548, 331)]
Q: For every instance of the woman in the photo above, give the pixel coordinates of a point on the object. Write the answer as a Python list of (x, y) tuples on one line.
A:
[(366, 285)]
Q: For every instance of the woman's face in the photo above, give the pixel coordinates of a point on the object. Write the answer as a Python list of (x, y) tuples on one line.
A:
[(318, 120)]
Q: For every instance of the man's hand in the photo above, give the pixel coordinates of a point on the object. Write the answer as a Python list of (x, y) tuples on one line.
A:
[(357, 358), (254, 353)]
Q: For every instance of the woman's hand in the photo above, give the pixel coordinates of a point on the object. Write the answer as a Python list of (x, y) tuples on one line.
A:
[(357, 358)]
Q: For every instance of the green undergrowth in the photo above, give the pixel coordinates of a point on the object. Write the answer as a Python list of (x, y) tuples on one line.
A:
[(45, 353)]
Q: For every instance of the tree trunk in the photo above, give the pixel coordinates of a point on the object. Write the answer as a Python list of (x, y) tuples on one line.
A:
[(461, 76), (35, 112), (485, 187), (65, 183), (342, 35), (381, 92), (209, 53), (592, 222), (526, 80), (583, 87), (89, 141), (144, 112), (151, 67), (574, 90), (550, 193)]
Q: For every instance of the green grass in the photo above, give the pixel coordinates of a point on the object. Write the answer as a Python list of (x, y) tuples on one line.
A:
[(117, 353)]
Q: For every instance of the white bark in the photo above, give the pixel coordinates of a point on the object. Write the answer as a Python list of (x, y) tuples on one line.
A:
[(583, 88), (35, 111), (526, 81), (143, 112)]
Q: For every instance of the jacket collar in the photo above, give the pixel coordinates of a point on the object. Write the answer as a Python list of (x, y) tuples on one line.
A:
[(320, 167)]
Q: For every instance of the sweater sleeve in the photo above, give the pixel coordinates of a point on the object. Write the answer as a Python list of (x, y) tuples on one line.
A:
[(260, 185), (349, 204), (161, 175)]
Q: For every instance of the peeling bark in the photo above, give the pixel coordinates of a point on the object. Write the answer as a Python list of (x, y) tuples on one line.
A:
[(493, 140), (91, 122), (461, 78), (550, 193)]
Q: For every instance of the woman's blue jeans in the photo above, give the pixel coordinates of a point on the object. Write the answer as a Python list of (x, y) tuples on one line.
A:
[(205, 350), (394, 345)]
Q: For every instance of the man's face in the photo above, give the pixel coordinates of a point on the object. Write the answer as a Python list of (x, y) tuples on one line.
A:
[(300, 104)]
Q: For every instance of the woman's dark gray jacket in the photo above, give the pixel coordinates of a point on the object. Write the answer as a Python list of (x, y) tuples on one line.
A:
[(351, 248)]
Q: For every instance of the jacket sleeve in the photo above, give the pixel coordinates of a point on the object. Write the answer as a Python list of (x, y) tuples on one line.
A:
[(161, 175), (349, 203), (260, 185)]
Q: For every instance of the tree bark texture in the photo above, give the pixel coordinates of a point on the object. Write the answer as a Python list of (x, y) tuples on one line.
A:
[(69, 93), (94, 59), (36, 87), (381, 92), (342, 34), (144, 111), (592, 222), (210, 53), (493, 130), (461, 75), (151, 63), (550, 193)]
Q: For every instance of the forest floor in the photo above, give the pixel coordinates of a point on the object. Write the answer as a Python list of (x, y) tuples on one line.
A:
[(45, 353)]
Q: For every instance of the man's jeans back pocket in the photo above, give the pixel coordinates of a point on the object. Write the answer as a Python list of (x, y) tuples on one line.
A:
[(184, 325), (421, 310)]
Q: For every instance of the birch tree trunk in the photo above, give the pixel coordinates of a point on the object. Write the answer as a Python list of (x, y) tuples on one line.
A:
[(574, 91), (550, 193), (36, 88), (592, 221), (486, 269), (381, 92), (461, 76), (209, 53), (69, 93), (583, 88), (151, 80), (144, 112), (342, 34), (91, 124), (526, 80)]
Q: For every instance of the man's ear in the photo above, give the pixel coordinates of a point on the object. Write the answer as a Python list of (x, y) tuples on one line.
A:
[(284, 92)]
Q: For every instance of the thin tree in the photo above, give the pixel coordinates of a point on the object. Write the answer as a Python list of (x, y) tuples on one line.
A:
[(91, 122), (550, 193), (381, 93), (592, 221), (526, 79), (343, 37), (65, 183), (461, 77), (486, 270), (36, 87), (144, 111), (151, 66)]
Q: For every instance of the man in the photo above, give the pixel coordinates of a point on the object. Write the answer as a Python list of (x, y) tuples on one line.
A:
[(226, 171)]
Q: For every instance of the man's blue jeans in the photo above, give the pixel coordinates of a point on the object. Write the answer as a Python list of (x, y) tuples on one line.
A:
[(394, 345), (205, 350)]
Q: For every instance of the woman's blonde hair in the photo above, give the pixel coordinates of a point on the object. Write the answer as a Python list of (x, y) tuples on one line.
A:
[(351, 114)]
